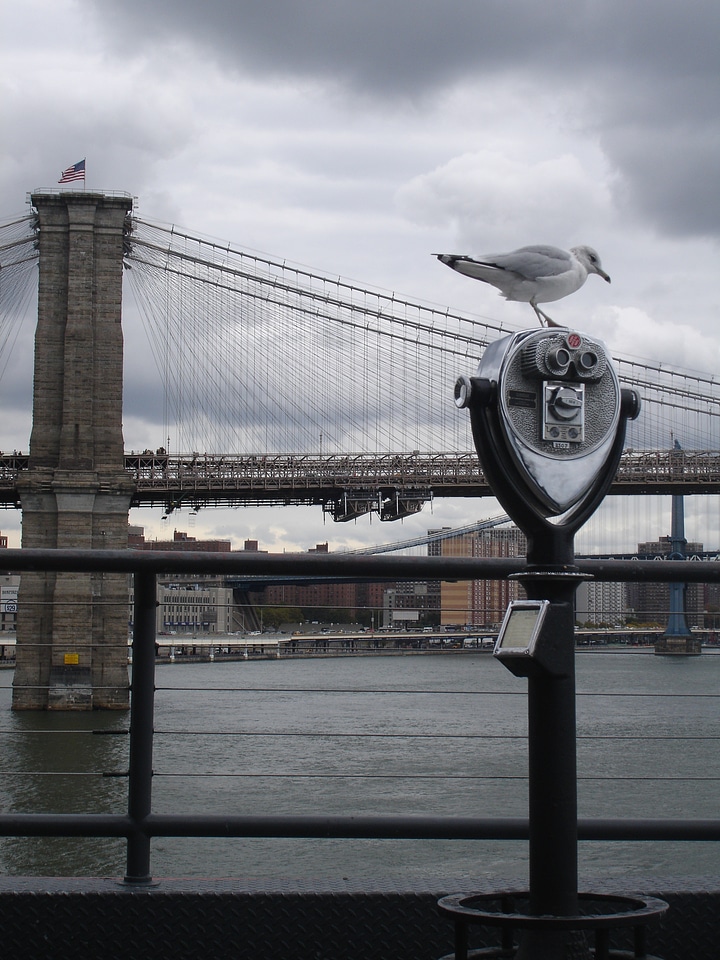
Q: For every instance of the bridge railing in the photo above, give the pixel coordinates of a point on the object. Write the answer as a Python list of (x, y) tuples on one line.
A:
[(139, 825)]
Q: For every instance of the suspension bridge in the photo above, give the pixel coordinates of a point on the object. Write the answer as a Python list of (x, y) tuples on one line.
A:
[(274, 383), (271, 383)]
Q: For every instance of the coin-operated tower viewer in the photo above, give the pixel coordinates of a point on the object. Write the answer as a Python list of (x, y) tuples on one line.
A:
[(548, 419)]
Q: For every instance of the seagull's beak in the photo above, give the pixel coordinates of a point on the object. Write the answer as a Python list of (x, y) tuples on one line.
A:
[(604, 276)]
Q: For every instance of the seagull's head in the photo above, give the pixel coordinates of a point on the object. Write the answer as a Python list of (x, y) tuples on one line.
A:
[(590, 260)]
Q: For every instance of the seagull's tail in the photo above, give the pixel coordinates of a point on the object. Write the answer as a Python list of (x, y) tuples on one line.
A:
[(470, 267), (454, 260)]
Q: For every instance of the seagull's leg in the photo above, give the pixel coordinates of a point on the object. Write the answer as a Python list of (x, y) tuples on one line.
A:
[(538, 313), (545, 320)]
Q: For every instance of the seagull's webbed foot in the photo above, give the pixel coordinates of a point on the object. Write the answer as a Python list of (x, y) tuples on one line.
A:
[(545, 320)]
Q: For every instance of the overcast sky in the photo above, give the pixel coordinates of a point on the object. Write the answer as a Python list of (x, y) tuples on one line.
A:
[(359, 138)]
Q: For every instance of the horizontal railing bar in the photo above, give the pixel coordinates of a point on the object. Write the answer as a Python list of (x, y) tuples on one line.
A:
[(66, 825), (598, 828), (344, 827), (398, 778), (484, 737), (324, 735), (390, 691), (342, 566), (399, 691), (449, 777)]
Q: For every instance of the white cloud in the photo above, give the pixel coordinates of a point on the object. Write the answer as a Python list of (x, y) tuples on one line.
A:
[(490, 195), (634, 333)]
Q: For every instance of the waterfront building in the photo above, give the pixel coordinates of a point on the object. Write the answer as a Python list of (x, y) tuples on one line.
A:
[(190, 605), (411, 604), (598, 603), (192, 608), (370, 599), (479, 602), (316, 596)]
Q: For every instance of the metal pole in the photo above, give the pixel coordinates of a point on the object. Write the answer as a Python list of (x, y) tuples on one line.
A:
[(553, 773), (141, 728), (552, 755)]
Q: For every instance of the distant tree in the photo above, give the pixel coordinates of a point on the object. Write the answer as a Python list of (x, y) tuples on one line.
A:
[(274, 616)]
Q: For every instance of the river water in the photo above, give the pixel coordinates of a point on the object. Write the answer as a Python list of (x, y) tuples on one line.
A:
[(435, 734)]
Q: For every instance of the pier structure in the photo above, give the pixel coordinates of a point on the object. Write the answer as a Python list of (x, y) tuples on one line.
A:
[(72, 627)]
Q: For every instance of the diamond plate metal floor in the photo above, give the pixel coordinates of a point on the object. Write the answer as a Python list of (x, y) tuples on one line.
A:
[(60, 918)]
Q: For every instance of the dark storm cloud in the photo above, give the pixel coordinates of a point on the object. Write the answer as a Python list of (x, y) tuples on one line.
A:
[(376, 45), (646, 74), (392, 46), (669, 172)]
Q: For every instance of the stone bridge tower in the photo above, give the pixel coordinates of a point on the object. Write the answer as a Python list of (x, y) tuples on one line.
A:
[(73, 627)]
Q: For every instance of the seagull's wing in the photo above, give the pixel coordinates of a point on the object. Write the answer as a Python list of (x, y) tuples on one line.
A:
[(532, 263)]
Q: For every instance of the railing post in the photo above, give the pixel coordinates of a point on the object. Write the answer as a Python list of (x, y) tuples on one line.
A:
[(141, 727)]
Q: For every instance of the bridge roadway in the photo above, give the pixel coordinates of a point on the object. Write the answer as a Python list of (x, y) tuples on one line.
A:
[(349, 485)]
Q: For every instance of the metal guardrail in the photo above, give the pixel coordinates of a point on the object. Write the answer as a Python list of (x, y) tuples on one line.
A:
[(140, 824)]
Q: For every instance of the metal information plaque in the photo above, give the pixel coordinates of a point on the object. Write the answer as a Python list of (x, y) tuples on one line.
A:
[(521, 628)]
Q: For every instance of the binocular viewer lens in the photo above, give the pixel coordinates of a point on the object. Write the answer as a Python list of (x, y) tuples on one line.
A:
[(570, 357)]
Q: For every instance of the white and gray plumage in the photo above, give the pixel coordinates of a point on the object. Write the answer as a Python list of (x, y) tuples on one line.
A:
[(538, 274)]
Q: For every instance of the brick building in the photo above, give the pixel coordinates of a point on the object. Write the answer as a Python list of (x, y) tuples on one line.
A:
[(479, 602)]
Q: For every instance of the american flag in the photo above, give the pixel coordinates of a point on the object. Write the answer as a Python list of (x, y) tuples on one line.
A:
[(75, 172)]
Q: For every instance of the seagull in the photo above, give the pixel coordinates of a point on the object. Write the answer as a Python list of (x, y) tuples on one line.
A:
[(537, 274)]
